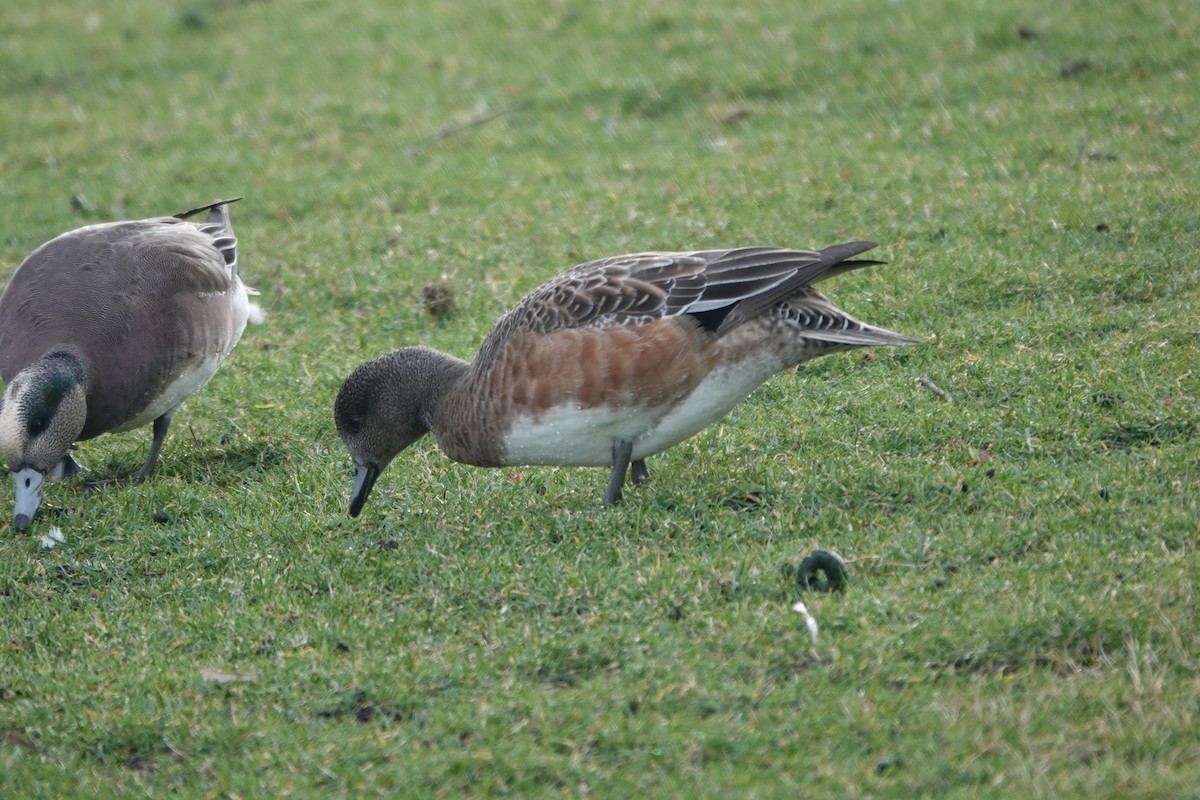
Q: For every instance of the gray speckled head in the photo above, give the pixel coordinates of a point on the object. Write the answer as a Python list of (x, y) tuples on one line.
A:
[(387, 404)]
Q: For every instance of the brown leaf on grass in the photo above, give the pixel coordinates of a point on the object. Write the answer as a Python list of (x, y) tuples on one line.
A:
[(15, 737), (977, 457), (727, 115), (224, 676), (1075, 66)]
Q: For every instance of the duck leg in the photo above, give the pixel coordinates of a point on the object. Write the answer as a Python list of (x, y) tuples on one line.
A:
[(622, 452), (161, 425), (638, 472), (66, 468)]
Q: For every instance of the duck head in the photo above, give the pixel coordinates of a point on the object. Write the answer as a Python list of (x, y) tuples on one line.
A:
[(387, 404), (42, 412)]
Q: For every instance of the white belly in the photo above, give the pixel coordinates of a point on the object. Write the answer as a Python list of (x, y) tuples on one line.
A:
[(573, 436), (196, 374), (184, 386)]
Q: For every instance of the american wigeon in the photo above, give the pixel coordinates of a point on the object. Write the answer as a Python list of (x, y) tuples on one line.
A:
[(610, 362), (110, 327)]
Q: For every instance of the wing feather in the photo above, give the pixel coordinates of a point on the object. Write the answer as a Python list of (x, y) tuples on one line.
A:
[(718, 288)]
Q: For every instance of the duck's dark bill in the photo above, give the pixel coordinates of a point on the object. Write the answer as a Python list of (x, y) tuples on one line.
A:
[(364, 479)]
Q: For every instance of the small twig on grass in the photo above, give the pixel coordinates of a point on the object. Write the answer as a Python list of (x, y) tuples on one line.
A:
[(16, 738), (1083, 143), (933, 387), (473, 122), (175, 749)]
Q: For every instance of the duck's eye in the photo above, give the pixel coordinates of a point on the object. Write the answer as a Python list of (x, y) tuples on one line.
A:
[(37, 425)]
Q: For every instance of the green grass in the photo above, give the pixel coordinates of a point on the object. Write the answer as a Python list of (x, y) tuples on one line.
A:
[(1021, 618)]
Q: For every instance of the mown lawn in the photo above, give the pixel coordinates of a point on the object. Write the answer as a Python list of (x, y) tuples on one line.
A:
[(1021, 614)]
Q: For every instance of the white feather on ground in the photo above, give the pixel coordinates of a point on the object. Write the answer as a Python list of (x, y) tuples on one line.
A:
[(809, 620), (53, 537)]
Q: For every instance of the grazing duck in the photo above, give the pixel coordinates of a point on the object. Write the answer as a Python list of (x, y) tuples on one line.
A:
[(108, 328), (610, 362)]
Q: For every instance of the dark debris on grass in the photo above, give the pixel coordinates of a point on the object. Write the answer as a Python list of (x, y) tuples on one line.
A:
[(360, 708), (827, 563)]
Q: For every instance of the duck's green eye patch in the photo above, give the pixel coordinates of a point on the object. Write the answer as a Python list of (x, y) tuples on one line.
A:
[(43, 404), (37, 424)]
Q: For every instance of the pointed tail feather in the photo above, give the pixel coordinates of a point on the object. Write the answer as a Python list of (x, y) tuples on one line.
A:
[(841, 252), (218, 226), (215, 207), (812, 316), (867, 336)]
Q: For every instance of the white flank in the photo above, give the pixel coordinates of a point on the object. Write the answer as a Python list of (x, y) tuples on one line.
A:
[(578, 437), (256, 315), (243, 309), (201, 372), (716, 395), (253, 311), (180, 389)]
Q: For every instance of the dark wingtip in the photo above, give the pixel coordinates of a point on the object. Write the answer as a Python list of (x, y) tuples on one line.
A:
[(839, 256), (209, 207), (845, 250)]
